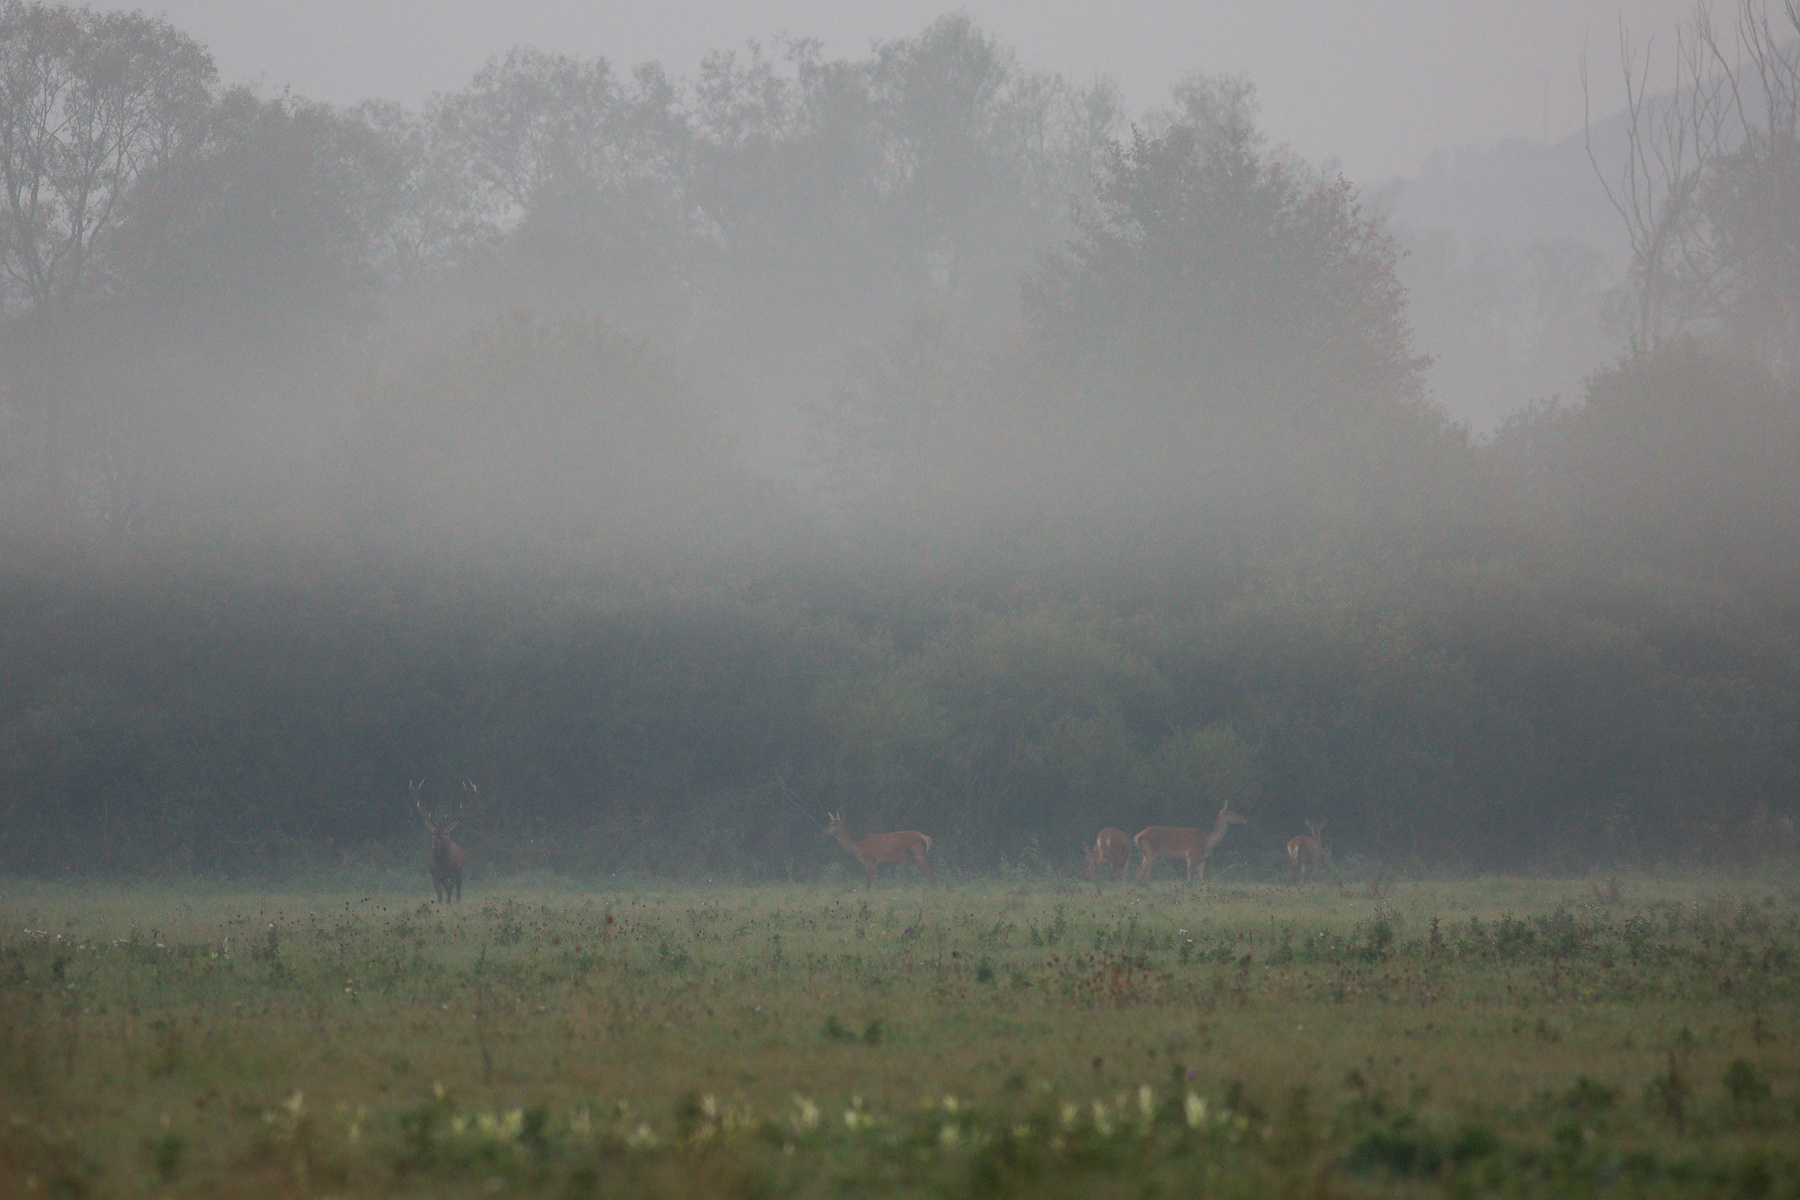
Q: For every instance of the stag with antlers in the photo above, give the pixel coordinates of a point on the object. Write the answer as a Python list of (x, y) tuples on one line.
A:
[(446, 861)]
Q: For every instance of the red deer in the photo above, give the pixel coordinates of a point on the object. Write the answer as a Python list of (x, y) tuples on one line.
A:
[(1111, 848), (1162, 841), (879, 848), (446, 862), (1307, 851)]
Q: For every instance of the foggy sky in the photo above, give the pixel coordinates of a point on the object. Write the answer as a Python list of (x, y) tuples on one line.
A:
[(1375, 84)]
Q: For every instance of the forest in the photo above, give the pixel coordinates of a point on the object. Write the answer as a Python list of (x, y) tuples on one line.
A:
[(919, 435)]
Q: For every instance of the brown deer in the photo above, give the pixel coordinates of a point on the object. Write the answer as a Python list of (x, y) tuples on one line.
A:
[(879, 848), (1111, 848), (446, 861), (1308, 850), (1162, 841)]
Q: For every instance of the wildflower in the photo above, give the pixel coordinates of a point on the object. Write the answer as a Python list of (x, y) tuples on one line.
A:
[(949, 1136), (500, 1129), (1195, 1109), (1102, 1119), (641, 1138), (806, 1115), (1071, 1113), (581, 1124), (1146, 1101)]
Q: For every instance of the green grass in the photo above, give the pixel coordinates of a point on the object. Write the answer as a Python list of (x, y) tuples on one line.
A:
[(1510, 1036)]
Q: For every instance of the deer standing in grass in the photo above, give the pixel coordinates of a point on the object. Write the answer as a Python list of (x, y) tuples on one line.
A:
[(1194, 845), (879, 848), (1307, 851), (446, 862), (1111, 848)]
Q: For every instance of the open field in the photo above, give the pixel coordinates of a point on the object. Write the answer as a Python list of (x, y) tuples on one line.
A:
[(1042, 1038)]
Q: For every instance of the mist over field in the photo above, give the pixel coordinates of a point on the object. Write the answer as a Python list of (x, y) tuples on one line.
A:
[(679, 453)]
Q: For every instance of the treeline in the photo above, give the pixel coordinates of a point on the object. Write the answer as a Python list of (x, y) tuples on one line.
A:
[(347, 447), (1459, 714)]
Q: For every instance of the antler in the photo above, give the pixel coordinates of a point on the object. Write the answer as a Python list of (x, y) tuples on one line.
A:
[(469, 807), (418, 802)]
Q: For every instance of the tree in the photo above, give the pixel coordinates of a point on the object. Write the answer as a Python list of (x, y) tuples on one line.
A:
[(1707, 188), (1680, 459), (90, 103), (584, 176), (1221, 356)]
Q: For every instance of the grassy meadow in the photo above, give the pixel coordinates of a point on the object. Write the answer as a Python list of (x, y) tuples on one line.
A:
[(1030, 1037)]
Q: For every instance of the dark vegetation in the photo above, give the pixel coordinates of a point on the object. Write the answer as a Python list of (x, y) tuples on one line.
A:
[(340, 447)]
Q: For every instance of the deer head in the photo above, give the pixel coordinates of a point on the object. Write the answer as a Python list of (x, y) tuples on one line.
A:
[(443, 825), (834, 824)]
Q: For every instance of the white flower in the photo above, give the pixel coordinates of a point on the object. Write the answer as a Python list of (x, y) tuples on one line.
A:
[(1195, 1108)]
